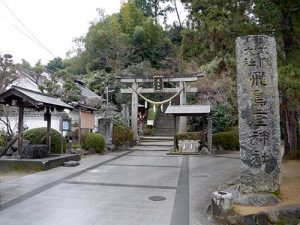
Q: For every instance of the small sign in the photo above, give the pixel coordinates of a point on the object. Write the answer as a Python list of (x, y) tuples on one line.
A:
[(65, 125), (158, 83)]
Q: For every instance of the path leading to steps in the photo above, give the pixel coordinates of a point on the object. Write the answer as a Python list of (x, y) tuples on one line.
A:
[(142, 186)]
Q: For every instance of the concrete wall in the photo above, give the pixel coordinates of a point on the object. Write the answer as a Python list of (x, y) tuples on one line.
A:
[(32, 122)]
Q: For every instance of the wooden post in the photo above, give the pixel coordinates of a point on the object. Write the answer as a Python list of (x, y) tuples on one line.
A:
[(61, 133), (203, 127), (209, 133), (134, 111), (182, 119), (20, 131), (79, 126), (175, 139), (48, 137)]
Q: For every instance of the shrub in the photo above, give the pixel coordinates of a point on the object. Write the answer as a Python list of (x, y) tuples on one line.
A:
[(122, 135), (4, 139), (129, 136), (223, 116), (229, 140), (190, 136), (93, 140), (36, 135), (151, 114)]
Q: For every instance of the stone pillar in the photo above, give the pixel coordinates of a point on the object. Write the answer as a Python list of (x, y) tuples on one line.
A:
[(209, 133), (182, 119), (258, 106), (134, 111)]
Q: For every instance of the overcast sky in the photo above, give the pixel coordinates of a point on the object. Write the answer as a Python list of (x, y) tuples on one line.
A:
[(55, 23)]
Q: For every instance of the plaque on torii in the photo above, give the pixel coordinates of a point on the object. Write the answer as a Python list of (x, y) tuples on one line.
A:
[(158, 83)]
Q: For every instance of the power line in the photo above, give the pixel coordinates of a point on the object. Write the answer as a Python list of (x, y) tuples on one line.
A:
[(18, 29), (33, 37)]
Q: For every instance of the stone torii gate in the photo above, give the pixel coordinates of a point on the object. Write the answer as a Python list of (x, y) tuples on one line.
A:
[(136, 89)]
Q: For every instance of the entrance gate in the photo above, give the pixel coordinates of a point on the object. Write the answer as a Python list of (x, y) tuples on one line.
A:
[(135, 91)]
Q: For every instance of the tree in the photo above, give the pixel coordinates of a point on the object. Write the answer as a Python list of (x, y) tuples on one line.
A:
[(174, 3), (71, 91), (24, 65), (120, 40), (7, 77), (7, 71), (149, 42), (282, 19), (156, 8), (51, 87), (107, 46), (208, 48), (98, 81), (61, 84), (215, 24), (55, 64), (38, 70)]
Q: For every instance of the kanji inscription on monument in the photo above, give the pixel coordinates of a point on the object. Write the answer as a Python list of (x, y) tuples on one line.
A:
[(258, 105)]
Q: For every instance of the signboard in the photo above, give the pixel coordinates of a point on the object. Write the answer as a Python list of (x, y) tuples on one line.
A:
[(158, 83), (65, 125)]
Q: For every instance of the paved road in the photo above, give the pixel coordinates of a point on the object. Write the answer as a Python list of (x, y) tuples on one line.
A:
[(114, 189)]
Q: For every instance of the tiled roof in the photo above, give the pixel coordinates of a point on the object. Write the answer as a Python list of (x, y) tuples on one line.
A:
[(35, 98)]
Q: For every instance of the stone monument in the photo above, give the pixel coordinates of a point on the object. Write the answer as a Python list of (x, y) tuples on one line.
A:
[(258, 105)]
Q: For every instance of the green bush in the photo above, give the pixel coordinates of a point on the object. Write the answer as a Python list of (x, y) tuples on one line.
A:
[(93, 140), (122, 135), (223, 116), (190, 136), (229, 140), (36, 135), (4, 139), (151, 114)]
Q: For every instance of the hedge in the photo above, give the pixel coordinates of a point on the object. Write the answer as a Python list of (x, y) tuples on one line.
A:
[(35, 137), (122, 135), (229, 140), (190, 136), (93, 140)]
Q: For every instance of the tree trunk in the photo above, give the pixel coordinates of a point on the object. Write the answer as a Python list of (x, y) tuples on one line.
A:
[(177, 13), (291, 130), (289, 123), (288, 113), (156, 11)]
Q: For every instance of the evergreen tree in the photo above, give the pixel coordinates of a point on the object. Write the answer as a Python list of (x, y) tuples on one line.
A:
[(282, 19)]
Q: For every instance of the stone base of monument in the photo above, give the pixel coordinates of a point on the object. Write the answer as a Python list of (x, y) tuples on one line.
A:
[(258, 199), (252, 199)]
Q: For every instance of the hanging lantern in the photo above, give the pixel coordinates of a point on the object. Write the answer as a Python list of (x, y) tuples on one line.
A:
[(170, 103), (154, 108), (146, 105), (162, 108)]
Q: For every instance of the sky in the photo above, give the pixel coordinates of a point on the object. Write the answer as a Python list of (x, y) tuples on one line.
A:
[(55, 23)]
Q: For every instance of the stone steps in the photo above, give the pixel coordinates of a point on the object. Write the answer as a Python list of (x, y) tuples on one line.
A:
[(164, 125), (154, 143)]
